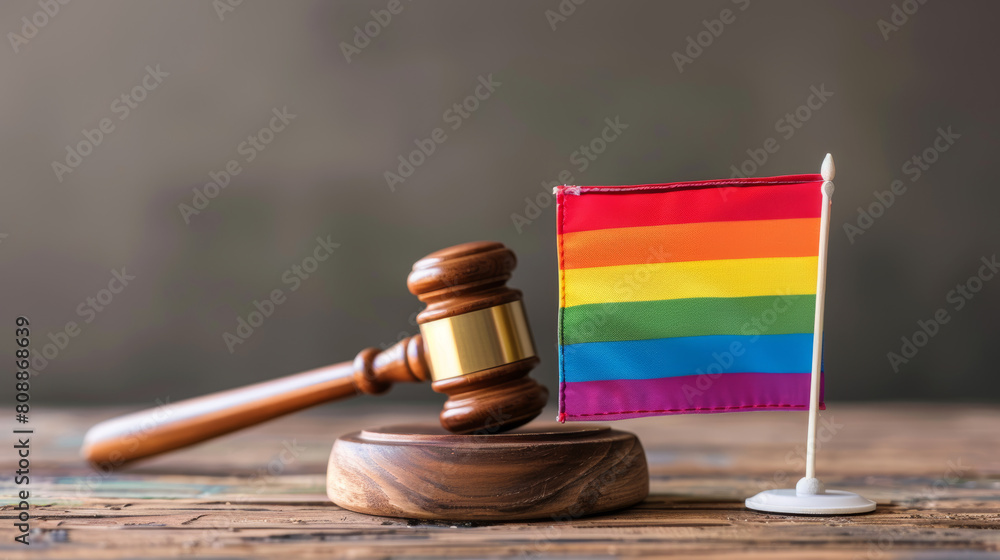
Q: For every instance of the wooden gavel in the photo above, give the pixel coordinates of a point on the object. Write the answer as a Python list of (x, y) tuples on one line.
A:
[(474, 343)]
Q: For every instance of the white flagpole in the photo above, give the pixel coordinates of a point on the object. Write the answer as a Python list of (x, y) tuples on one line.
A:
[(810, 495), (828, 170)]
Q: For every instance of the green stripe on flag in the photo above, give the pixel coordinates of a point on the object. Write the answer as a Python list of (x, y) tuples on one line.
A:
[(645, 320)]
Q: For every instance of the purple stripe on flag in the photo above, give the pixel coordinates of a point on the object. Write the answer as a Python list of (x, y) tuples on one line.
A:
[(690, 394)]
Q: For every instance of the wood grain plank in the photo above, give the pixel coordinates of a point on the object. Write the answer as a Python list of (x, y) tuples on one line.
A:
[(934, 471)]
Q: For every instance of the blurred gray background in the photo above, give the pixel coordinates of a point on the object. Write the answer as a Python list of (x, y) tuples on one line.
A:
[(217, 72)]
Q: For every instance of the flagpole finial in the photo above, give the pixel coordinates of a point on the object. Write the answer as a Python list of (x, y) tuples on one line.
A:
[(828, 170)]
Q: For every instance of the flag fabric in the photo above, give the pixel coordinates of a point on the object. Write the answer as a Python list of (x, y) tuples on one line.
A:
[(686, 298)]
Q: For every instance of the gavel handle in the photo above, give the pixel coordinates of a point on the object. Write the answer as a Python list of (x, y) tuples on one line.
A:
[(113, 443)]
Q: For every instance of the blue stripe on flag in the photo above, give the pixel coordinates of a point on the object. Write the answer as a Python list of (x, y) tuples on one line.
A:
[(692, 355)]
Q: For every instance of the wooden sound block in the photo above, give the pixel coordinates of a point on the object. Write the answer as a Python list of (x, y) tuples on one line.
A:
[(548, 471)]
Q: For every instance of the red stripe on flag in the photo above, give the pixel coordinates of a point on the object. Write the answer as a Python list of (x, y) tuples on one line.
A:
[(681, 203)]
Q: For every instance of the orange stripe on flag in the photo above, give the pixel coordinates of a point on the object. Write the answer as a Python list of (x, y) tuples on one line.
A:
[(701, 241)]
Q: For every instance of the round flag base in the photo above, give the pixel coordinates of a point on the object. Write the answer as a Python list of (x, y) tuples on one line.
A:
[(830, 502)]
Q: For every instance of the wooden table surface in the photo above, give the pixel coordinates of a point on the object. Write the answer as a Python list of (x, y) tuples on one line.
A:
[(934, 471)]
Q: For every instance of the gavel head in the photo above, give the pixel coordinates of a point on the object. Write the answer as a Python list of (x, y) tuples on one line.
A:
[(476, 338)]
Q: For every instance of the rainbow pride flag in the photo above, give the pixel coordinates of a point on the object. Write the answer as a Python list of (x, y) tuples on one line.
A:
[(687, 298)]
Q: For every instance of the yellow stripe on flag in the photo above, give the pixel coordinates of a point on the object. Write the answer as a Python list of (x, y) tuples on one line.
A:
[(690, 279)]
